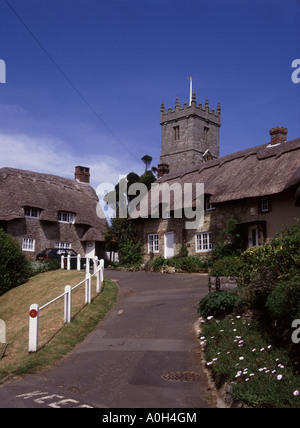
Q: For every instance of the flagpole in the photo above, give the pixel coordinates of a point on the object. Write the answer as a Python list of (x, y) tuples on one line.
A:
[(191, 89)]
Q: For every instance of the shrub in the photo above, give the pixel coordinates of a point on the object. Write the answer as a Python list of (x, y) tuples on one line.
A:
[(158, 262), (44, 266), (264, 267), (227, 266), (218, 303), (130, 252), (230, 244), (280, 256), (188, 264), (14, 268), (283, 302)]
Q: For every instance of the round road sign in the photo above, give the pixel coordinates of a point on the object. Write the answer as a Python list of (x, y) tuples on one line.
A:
[(33, 313)]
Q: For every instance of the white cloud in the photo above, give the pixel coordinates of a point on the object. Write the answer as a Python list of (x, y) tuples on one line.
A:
[(49, 154)]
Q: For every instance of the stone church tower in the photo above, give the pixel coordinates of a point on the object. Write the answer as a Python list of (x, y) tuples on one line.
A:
[(189, 135)]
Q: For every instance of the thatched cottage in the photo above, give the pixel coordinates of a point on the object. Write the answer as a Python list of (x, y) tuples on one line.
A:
[(46, 211), (259, 186)]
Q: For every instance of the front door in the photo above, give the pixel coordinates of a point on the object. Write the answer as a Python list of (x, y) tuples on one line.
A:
[(90, 249), (254, 236), (169, 245)]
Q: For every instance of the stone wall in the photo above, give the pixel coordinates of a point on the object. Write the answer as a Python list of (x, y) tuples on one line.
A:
[(282, 213), (222, 283), (46, 234)]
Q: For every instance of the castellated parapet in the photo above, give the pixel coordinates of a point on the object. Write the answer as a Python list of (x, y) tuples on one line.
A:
[(189, 134)]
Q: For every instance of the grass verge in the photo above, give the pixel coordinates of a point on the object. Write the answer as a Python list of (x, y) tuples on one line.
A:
[(261, 375), (56, 339)]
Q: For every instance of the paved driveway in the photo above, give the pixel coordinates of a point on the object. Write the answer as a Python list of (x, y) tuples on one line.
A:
[(144, 354)]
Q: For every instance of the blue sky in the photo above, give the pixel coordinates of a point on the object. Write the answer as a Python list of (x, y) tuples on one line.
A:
[(85, 79)]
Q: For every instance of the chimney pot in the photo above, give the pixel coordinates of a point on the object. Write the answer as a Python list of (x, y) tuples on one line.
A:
[(278, 135), (162, 169), (82, 174)]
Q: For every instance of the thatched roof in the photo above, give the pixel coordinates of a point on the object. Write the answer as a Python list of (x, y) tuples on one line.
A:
[(50, 194), (256, 172), (297, 197)]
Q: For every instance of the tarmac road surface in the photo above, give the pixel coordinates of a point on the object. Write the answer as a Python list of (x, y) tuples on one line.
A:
[(144, 354)]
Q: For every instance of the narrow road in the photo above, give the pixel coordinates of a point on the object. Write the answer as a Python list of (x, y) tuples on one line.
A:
[(144, 354)]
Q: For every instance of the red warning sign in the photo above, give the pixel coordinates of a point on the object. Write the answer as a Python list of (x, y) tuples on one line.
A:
[(33, 313)]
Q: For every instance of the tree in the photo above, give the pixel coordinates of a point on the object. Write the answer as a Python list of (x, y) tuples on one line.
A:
[(113, 198), (121, 236), (14, 267), (147, 161)]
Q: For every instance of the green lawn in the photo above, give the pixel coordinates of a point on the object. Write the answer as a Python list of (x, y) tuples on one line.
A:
[(55, 338)]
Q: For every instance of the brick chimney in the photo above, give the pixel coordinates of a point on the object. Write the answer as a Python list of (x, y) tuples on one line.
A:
[(162, 169), (278, 135), (82, 174)]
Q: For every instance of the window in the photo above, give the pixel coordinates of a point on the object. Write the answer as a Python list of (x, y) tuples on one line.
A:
[(176, 133), (265, 205), (32, 212), (153, 243), (206, 129), (64, 245), (208, 205), (204, 242), (65, 217), (28, 244)]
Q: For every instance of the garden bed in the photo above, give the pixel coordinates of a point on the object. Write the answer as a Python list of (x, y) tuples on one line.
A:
[(245, 364)]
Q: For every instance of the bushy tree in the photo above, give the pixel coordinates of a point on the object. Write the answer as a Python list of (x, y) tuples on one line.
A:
[(121, 236), (14, 268)]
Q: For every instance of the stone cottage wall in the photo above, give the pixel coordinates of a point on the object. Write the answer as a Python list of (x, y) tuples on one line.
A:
[(282, 213), (46, 234)]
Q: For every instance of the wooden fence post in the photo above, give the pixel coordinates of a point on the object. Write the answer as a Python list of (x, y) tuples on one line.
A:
[(88, 282), (33, 328), (68, 303), (2, 331), (95, 264), (102, 270)]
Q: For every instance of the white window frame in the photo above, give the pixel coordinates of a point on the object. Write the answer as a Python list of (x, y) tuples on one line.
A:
[(63, 245), (208, 205), (265, 205), (255, 236), (30, 212), (203, 242), (66, 217), (28, 244), (153, 243)]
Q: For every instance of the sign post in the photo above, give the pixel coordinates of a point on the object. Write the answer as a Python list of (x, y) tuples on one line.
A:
[(33, 328)]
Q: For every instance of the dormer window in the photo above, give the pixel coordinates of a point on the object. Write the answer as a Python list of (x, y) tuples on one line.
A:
[(208, 205), (30, 212), (66, 217)]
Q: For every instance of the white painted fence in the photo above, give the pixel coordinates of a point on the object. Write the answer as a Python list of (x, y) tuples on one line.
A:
[(34, 309)]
